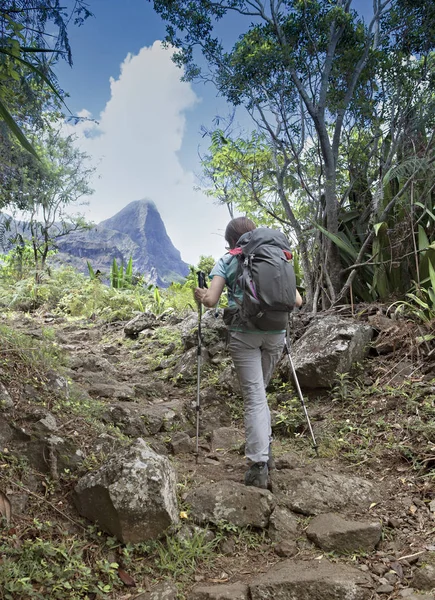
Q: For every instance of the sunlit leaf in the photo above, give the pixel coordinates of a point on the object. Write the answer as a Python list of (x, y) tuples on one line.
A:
[(338, 241), (378, 226), (16, 130)]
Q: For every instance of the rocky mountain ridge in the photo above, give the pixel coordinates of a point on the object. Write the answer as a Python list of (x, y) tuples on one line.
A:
[(136, 231)]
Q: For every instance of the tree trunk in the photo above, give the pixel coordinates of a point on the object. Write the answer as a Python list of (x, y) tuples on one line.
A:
[(332, 260)]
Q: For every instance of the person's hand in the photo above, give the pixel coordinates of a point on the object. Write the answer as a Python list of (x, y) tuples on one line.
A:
[(199, 294)]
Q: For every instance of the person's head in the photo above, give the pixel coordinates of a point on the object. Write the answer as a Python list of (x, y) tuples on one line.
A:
[(236, 228)]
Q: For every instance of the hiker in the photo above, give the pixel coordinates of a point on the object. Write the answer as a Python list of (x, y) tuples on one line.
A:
[(255, 354)]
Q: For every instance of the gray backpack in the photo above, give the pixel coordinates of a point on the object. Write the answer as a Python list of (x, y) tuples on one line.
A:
[(266, 277)]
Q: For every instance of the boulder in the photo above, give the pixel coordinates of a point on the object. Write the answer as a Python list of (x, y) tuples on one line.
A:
[(186, 367), (143, 321), (283, 525), (181, 443), (139, 420), (310, 580), (90, 363), (321, 492), (6, 432), (213, 330), (111, 390), (6, 401), (49, 453), (228, 380), (231, 502), (215, 410), (424, 577), (333, 533), (226, 438), (133, 496), (330, 345)]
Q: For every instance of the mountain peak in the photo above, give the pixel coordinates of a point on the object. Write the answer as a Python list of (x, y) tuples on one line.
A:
[(136, 231)]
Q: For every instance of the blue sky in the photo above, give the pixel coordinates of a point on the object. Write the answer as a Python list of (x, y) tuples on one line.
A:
[(148, 135)]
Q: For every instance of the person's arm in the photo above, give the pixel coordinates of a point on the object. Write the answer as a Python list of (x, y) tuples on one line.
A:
[(298, 301), (210, 297)]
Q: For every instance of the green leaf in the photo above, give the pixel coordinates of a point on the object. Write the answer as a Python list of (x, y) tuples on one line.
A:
[(129, 270), (90, 270), (425, 209), (418, 300), (338, 241), (37, 72), (423, 241), (431, 295), (432, 275), (425, 338), (16, 130), (378, 226)]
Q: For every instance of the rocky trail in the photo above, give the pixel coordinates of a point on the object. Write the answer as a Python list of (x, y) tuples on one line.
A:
[(356, 522)]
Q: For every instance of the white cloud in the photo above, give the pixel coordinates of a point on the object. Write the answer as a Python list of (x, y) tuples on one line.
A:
[(135, 146)]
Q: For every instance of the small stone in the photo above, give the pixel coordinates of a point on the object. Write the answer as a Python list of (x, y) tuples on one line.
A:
[(379, 569), (393, 522), (385, 589), (181, 443), (391, 577), (228, 547), (286, 549)]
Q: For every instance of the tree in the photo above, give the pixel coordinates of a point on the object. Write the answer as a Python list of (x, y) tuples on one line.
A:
[(45, 191), (307, 72), (33, 35)]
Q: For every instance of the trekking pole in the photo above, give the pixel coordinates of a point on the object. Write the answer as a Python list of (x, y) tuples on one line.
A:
[(298, 387), (202, 284)]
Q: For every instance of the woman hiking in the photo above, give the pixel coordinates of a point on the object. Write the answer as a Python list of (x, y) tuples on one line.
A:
[(255, 354)]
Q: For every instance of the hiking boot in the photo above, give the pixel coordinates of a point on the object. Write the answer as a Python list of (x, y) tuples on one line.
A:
[(271, 461), (257, 475)]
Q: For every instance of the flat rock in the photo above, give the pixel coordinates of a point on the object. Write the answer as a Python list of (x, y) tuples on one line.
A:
[(111, 390), (321, 492), (235, 591), (424, 577), (412, 596), (226, 438), (162, 591), (288, 460), (232, 502), (333, 533), (311, 580)]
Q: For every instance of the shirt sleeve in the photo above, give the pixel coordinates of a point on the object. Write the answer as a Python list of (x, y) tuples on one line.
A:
[(220, 269)]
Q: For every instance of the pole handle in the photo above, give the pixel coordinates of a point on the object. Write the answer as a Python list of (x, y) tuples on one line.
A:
[(201, 279)]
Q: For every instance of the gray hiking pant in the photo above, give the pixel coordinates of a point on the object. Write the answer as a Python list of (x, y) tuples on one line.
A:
[(255, 356)]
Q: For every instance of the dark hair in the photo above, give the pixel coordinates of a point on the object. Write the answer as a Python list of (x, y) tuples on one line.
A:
[(236, 228)]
